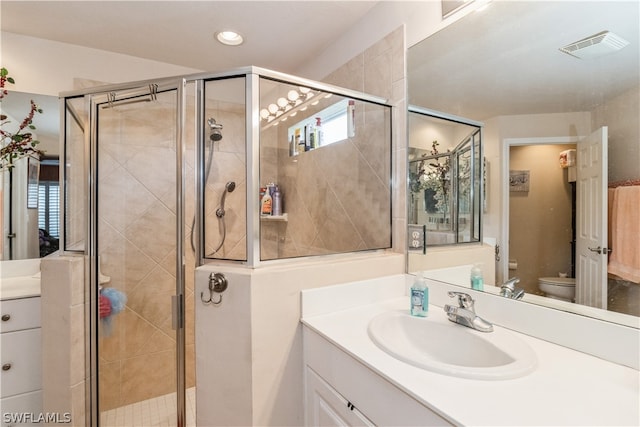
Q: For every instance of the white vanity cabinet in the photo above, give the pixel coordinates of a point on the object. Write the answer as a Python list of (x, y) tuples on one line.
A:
[(20, 358), (340, 391)]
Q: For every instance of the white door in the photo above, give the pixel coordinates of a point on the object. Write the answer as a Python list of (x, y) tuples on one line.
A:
[(591, 236)]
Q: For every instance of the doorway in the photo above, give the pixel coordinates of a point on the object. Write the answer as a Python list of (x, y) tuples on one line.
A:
[(541, 214)]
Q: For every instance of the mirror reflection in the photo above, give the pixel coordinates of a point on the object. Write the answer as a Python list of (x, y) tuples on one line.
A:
[(444, 179), (30, 190), (531, 97)]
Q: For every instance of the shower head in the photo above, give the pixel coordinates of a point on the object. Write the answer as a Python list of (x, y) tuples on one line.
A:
[(216, 130), (228, 188)]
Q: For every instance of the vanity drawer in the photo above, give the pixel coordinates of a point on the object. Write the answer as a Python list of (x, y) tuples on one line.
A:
[(21, 362), (29, 403), (18, 314)]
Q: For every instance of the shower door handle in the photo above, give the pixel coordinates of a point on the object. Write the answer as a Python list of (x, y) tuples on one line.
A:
[(177, 313)]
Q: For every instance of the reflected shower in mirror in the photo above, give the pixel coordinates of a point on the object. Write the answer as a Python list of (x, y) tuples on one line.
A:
[(444, 178), (515, 78)]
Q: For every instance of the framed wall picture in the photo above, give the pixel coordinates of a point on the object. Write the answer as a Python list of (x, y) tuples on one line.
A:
[(518, 181)]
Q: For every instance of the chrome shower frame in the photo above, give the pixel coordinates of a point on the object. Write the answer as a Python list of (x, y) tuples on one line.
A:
[(184, 85)]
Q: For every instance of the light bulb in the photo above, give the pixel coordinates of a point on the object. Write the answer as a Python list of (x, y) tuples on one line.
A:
[(264, 113), (293, 95), (272, 108), (304, 89), (281, 102)]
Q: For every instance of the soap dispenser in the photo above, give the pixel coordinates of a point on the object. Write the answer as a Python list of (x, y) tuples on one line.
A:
[(477, 282), (419, 297)]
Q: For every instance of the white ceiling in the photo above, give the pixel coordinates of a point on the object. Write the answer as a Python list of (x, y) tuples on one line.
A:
[(505, 60), (278, 35)]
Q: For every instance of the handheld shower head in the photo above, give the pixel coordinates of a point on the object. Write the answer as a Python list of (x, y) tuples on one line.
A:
[(216, 130), (228, 188)]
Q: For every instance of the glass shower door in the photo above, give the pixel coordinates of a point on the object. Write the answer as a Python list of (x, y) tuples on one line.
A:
[(140, 352)]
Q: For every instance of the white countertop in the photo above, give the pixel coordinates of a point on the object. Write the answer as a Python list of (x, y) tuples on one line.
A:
[(19, 279), (20, 287), (567, 388)]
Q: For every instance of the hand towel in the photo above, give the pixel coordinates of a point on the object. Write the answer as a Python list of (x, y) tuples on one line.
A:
[(625, 234)]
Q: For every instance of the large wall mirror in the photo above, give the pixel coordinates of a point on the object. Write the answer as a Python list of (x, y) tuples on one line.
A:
[(504, 67), (30, 206)]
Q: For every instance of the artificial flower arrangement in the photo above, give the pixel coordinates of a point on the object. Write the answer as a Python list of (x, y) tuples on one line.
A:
[(15, 145)]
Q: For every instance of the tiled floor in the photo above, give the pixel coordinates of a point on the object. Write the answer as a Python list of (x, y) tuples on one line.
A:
[(159, 411)]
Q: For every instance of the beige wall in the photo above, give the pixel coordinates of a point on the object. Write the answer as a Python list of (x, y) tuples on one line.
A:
[(620, 115), (540, 229)]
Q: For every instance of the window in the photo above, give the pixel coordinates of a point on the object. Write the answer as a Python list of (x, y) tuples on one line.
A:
[(49, 207), (334, 123)]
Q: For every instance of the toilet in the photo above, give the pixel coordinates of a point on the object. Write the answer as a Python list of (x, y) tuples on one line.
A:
[(562, 288)]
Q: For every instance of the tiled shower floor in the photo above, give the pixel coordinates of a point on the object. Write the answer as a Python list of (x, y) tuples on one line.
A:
[(159, 411)]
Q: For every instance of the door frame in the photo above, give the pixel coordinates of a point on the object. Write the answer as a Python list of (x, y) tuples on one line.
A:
[(502, 273), (126, 94)]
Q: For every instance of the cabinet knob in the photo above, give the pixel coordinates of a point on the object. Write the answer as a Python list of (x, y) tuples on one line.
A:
[(6, 366), (6, 317)]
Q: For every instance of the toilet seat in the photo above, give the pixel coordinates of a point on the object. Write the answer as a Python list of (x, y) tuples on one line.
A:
[(558, 281)]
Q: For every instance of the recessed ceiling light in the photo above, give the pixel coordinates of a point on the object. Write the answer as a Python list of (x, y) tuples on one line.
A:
[(230, 38)]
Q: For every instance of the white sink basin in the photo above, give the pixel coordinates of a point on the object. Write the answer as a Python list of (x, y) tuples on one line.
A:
[(436, 344)]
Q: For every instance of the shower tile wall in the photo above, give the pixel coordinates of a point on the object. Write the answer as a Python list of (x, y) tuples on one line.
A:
[(320, 192), (229, 164), (137, 251)]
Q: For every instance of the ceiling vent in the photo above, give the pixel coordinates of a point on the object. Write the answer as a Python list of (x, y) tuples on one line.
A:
[(595, 46)]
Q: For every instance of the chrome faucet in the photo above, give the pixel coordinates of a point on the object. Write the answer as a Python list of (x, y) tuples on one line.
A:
[(509, 290), (465, 313)]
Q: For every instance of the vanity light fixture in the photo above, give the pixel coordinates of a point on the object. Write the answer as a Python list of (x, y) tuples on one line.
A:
[(295, 100), (594, 46), (230, 38)]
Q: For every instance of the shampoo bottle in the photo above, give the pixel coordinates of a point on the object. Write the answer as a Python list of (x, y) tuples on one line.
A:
[(266, 204), (276, 202), (319, 135), (419, 298), (477, 282), (351, 119)]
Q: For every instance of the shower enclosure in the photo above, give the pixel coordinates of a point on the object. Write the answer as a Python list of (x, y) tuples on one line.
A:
[(163, 176)]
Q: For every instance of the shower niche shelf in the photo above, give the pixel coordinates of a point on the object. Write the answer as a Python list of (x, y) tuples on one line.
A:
[(275, 218)]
